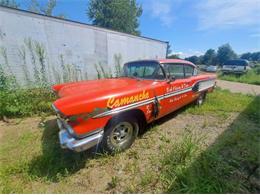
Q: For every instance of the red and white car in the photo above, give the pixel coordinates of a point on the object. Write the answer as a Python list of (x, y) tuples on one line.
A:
[(111, 112)]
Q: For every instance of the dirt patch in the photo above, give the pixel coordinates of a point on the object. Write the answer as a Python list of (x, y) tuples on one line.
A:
[(135, 170), (236, 87)]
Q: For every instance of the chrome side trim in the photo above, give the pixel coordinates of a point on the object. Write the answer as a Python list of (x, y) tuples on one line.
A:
[(125, 108), (167, 95), (152, 100), (54, 108), (203, 85), (142, 103)]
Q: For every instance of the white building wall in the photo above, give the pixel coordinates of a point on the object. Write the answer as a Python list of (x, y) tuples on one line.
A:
[(79, 46)]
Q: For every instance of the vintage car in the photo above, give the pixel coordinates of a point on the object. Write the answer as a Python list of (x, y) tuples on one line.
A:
[(238, 66), (212, 68), (109, 113)]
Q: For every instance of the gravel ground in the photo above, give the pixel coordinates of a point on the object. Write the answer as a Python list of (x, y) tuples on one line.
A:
[(236, 87)]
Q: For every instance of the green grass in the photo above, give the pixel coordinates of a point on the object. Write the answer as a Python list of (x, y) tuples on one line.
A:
[(25, 102), (227, 165), (31, 159), (251, 77), (222, 102), (35, 156)]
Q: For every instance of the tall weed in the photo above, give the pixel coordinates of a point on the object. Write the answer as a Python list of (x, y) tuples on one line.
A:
[(118, 62), (22, 54), (25, 102)]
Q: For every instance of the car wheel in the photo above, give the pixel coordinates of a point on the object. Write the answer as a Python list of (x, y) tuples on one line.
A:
[(200, 100), (120, 134)]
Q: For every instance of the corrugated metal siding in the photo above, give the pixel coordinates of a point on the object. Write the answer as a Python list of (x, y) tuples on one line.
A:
[(65, 43)]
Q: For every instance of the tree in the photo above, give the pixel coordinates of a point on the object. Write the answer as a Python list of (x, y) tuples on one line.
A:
[(9, 3), (225, 52), (246, 56), (255, 56), (120, 15), (209, 57), (169, 50), (46, 9), (174, 56), (194, 59)]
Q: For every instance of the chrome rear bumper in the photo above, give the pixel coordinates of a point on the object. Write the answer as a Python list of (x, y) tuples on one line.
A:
[(78, 145)]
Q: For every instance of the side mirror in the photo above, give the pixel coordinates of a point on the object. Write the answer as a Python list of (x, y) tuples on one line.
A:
[(171, 79)]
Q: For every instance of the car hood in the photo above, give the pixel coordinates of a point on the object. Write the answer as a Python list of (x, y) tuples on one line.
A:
[(85, 96), (99, 87)]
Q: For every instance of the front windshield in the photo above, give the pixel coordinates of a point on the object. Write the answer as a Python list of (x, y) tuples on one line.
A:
[(143, 70)]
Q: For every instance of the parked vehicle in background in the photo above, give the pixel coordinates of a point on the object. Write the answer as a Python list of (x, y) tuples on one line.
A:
[(110, 113), (202, 67), (212, 68), (238, 66)]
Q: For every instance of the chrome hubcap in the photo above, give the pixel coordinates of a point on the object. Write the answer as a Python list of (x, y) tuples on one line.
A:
[(121, 133)]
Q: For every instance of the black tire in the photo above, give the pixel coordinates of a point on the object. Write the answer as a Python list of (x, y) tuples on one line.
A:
[(120, 134), (200, 100)]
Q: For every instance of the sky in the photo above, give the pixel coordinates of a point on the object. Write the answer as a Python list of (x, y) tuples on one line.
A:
[(190, 26)]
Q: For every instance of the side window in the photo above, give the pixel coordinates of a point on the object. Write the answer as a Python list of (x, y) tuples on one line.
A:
[(189, 70), (159, 74), (145, 71), (175, 70), (195, 73)]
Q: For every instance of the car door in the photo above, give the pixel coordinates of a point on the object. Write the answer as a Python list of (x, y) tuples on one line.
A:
[(190, 73), (178, 90)]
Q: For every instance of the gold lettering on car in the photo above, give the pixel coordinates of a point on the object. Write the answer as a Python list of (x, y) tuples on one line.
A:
[(117, 102)]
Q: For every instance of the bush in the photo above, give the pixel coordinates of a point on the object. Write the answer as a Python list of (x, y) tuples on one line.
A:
[(25, 102), (257, 69), (6, 82), (251, 77)]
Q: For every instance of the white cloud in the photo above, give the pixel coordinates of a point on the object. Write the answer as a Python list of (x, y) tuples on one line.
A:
[(188, 53), (214, 14), (161, 9)]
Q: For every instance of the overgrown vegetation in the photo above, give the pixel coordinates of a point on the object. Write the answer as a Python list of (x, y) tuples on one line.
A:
[(25, 102), (101, 72), (38, 72), (118, 64), (251, 77), (222, 102), (106, 72), (229, 165), (189, 164), (33, 96), (18, 102)]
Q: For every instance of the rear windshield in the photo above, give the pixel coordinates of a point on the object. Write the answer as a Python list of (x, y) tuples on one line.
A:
[(236, 62)]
